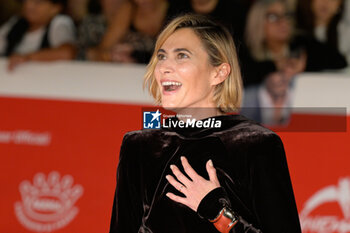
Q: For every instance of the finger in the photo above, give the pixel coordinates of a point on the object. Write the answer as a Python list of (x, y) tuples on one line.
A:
[(181, 177), (15, 61), (178, 199), (180, 187), (212, 172), (188, 169), (11, 65)]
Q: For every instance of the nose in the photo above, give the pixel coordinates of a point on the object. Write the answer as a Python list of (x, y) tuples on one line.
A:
[(166, 66), (284, 22)]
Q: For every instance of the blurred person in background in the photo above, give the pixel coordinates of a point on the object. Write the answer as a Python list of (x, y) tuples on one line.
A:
[(278, 55), (130, 38), (324, 20), (40, 33), (93, 26)]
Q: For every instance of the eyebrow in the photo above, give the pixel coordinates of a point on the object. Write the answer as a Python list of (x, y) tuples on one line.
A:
[(175, 50)]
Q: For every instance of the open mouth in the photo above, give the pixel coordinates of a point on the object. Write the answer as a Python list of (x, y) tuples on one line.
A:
[(171, 85)]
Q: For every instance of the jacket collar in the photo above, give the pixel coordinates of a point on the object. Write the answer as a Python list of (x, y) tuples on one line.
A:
[(206, 127)]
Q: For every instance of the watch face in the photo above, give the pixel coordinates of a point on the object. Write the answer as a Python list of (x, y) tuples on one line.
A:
[(229, 214)]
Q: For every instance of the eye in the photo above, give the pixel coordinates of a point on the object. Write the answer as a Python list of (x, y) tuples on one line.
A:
[(161, 56), (182, 55), (272, 17)]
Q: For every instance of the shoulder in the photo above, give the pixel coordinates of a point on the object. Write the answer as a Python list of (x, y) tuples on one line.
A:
[(62, 30), (142, 144), (141, 134), (248, 134), (145, 137), (11, 21), (62, 20), (62, 26), (241, 126), (6, 27)]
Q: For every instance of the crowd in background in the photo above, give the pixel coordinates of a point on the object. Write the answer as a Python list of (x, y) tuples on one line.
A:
[(275, 39)]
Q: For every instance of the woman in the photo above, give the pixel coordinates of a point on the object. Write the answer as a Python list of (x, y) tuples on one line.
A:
[(324, 20), (275, 47), (277, 55), (232, 176), (40, 34)]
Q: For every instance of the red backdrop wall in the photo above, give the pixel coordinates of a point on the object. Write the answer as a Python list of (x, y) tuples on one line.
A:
[(59, 163)]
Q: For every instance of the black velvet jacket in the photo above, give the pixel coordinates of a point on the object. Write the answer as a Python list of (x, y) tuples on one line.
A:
[(251, 167)]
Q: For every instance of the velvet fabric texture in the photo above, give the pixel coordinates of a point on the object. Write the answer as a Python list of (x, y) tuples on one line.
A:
[(251, 167)]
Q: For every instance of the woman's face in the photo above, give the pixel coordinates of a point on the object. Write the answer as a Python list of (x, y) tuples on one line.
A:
[(183, 73), (324, 10), (277, 23), (40, 11)]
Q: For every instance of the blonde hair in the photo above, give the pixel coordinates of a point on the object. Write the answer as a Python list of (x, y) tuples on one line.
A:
[(255, 30), (220, 47)]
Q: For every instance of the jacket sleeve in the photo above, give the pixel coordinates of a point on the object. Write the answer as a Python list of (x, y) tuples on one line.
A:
[(272, 192), (271, 196), (127, 207), (214, 202)]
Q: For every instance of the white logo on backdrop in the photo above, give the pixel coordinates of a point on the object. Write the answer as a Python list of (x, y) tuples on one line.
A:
[(48, 203), (25, 137), (327, 224)]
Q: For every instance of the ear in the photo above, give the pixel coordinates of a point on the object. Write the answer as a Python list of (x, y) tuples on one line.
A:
[(221, 73)]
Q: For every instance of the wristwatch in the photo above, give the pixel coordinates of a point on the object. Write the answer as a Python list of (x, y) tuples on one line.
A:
[(225, 220)]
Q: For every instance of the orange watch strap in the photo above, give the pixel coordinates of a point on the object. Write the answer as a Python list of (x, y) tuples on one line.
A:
[(223, 223)]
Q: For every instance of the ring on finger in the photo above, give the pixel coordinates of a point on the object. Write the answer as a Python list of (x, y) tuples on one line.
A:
[(181, 187)]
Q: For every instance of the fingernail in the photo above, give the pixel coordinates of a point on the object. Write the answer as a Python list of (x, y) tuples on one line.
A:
[(211, 163), (182, 158), (172, 167), (167, 194), (167, 177)]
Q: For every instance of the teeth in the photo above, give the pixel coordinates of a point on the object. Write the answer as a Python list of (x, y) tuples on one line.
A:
[(171, 84)]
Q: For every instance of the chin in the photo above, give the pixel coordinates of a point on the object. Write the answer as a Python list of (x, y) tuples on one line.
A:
[(169, 102), (169, 106)]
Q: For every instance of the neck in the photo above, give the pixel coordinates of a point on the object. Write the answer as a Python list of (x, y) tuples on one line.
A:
[(198, 113), (322, 22), (34, 27), (276, 47), (204, 7)]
